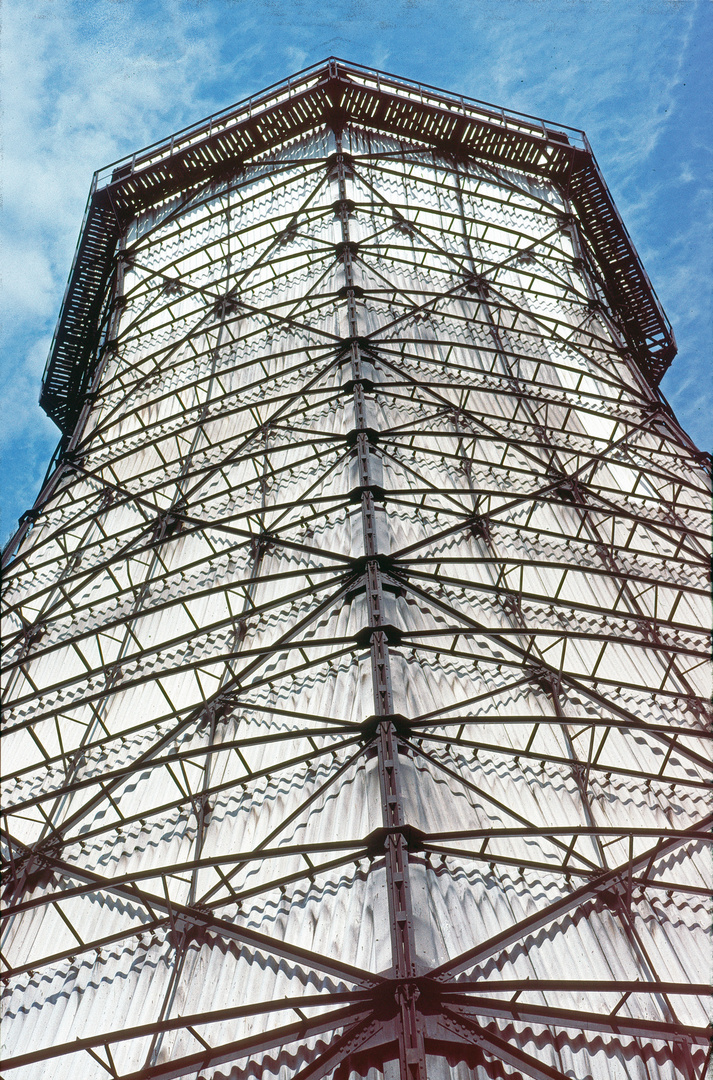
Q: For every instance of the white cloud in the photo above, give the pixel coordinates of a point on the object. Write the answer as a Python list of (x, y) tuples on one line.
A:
[(28, 281)]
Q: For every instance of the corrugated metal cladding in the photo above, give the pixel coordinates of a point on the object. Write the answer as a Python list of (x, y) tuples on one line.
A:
[(355, 679)]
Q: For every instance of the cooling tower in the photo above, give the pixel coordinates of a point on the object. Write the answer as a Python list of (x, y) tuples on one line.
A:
[(355, 673)]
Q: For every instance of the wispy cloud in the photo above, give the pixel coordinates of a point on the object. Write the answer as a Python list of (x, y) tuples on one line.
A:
[(75, 98)]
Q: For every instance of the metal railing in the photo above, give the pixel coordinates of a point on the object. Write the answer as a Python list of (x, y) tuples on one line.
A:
[(370, 78)]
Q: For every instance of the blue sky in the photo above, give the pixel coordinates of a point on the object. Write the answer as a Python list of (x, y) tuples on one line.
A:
[(87, 81)]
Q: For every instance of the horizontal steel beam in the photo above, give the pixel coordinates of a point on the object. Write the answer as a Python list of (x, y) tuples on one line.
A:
[(178, 1023), (553, 1016)]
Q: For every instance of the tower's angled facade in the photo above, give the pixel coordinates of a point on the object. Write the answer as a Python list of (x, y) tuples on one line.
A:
[(355, 690)]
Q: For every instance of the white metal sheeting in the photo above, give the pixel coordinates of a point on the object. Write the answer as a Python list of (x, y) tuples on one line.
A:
[(189, 684)]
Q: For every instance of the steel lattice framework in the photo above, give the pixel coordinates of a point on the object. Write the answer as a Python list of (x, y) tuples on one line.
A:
[(355, 717)]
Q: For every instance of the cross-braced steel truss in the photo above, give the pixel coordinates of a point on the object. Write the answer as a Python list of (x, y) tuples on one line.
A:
[(355, 686)]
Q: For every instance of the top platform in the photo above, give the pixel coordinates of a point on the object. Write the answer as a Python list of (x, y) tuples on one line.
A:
[(337, 93)]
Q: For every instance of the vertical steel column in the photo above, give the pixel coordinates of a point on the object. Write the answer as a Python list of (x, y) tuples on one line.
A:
[(410, 1034)]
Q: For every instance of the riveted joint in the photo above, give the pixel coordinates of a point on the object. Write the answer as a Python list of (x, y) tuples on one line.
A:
[(352, 436), (30, 515), (377, 492), (366, 386), (545, 679), (392, 634), (344, 247), (335, 161), (377, 840), (344, 208), (477, 283), (479, 528), (401, 724)]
